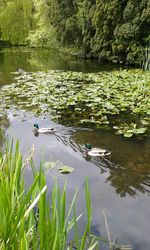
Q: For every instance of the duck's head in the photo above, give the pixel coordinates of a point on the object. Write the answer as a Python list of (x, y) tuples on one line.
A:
[(88, 146), (36, 125)]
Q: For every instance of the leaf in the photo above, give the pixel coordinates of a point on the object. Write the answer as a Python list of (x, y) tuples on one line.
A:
[(140, 130), (65, 169), (128, 134), (145, 122)]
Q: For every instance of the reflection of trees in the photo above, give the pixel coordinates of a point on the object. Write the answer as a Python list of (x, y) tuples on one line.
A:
[(128, 168), (44, 58), (131, 179)]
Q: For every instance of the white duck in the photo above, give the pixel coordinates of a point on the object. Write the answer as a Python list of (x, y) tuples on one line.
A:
[(38, 130), (96, 152)]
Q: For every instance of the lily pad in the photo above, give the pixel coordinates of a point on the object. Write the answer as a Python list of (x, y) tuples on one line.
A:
[(128, 134), (65, 169)]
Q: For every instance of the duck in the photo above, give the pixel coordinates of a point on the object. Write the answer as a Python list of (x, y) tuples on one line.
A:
[(96, 152), (38, 130)]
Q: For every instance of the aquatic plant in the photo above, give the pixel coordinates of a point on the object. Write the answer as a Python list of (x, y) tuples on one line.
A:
[(105, 100)]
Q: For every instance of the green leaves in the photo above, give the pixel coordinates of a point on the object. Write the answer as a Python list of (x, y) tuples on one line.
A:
[(15, 28), (58, 166), (130, 130)]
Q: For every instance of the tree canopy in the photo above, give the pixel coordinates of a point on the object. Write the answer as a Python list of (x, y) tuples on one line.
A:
[(115, 30), (15, 20)]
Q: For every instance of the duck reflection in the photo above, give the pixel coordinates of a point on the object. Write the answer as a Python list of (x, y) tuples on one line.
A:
[(131, 179)]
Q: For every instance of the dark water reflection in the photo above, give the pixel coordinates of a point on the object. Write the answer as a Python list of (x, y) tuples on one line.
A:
[(120, 185), (32, 60)]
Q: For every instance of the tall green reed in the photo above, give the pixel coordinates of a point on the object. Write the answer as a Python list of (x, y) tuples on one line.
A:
[(146, 61), (27, 219)]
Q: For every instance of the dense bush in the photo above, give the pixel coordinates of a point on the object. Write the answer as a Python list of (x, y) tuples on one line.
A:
[(115, 30)]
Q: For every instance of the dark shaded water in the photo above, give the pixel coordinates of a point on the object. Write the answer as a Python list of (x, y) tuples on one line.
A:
[(32, 60), (120, 185)]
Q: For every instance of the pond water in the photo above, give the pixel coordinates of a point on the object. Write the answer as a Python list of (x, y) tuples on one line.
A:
[(119, 185)]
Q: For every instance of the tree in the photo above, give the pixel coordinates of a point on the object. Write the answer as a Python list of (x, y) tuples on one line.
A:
[(133, 33), (63, 17), (86, 10), (42, 33), (15, 21), (106, 16)]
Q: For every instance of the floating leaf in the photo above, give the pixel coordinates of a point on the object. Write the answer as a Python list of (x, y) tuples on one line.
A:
[(65, 169), (140, 130), (128, 134), (145, 122)]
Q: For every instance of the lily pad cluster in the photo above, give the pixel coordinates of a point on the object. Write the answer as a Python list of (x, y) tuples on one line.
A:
[(119, 100), (58, 165)]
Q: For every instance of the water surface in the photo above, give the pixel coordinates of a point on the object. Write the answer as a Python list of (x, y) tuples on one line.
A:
[(120, 185), (27, 59)]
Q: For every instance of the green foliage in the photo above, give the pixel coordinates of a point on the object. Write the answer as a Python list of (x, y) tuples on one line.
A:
[(4, 123), (116, 30), (42, 33), (131, 34), (15, 21), (106, 16), (86, 10), (112, 30), (63, 18)]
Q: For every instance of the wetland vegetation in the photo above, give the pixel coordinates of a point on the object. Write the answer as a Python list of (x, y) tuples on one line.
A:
[(102, 103), (88, 101), (118, 100), (117, 31)]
